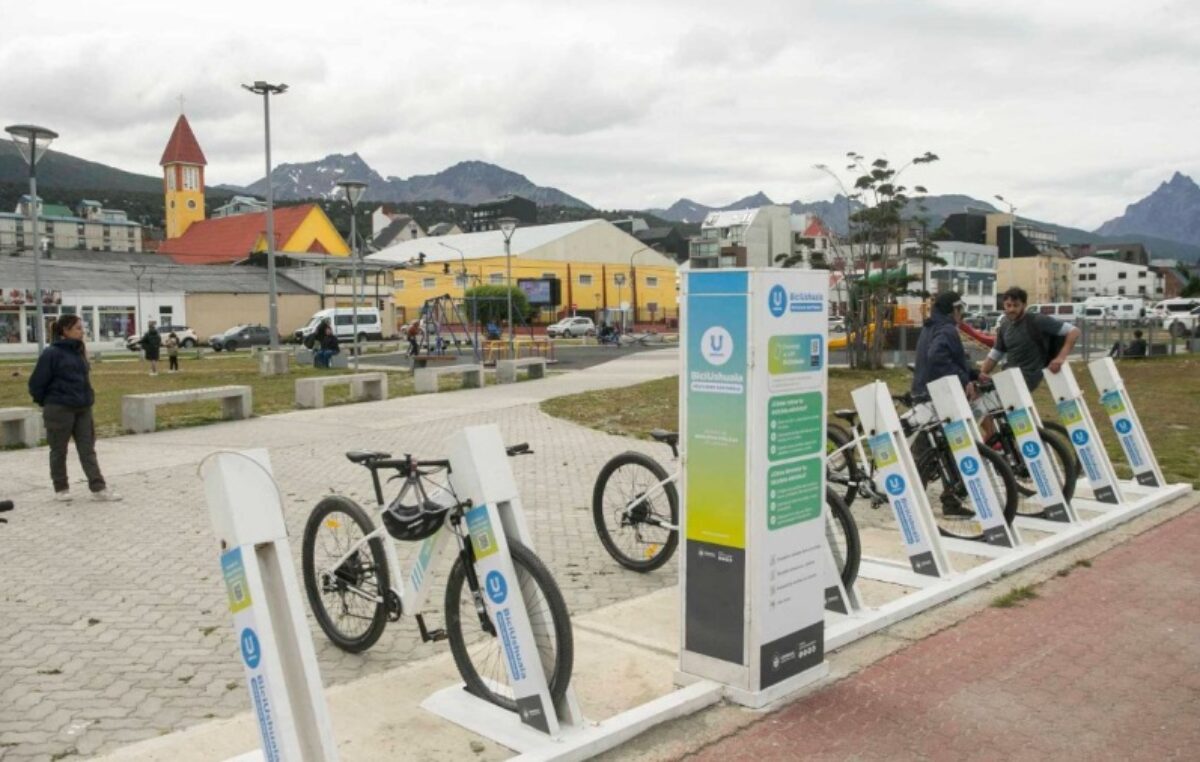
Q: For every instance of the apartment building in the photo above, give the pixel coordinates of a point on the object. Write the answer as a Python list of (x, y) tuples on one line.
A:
[(89, 227), (743, 238)]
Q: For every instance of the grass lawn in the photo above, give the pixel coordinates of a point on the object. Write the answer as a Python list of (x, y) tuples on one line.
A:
[(114, 378), (1165, 392)]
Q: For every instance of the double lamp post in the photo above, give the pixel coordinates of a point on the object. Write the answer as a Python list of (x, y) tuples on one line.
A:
[(33, 142)]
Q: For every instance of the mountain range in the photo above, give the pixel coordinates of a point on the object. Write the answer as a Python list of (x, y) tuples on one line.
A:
[(1167, 221)]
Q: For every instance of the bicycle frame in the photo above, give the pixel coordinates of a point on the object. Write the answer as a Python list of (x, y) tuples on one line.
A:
[(659, 486)]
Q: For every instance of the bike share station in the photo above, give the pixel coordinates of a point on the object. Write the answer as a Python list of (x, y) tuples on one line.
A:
[(761, 598)]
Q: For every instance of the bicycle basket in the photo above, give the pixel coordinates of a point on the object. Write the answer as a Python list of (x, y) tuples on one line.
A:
[(412, 523)]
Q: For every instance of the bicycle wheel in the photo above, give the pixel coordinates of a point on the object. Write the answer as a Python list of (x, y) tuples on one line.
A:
[(842, 534), (1054, 427), (1058, 455), (633, 516), (479, 653), (841, 465), (951, 505), (342, 600)]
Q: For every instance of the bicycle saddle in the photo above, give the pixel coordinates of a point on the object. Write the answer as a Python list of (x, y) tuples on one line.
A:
[(365, 456), (847, 415), (667, 437)]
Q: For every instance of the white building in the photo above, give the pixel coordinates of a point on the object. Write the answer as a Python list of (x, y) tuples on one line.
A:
[(89, 227), (743, 238), (970, 270), (1099, 276)]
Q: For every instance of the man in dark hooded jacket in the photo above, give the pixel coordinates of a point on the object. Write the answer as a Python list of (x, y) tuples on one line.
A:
[(940, 350)]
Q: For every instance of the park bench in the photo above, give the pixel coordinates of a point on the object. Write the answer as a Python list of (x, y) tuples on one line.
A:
[(310, 392), (20, 425), (424, 361), (506, 370), (425, 380), (138, 411)]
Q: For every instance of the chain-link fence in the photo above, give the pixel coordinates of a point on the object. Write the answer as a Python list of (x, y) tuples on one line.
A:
[(1140, 337)]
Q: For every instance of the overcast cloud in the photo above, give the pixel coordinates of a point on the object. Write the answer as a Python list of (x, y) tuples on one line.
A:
[(1070, 109)]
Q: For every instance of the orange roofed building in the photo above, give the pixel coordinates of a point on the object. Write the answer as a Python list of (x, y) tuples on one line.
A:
[(193, 240)]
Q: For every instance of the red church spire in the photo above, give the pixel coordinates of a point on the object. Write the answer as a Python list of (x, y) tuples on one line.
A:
[(183, 148)]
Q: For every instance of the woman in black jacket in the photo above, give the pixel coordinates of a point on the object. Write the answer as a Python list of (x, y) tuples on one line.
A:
[(61, 386)]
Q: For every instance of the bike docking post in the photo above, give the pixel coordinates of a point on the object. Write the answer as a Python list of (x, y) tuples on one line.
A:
[(1025, 422), (838, 598), (1115, 399), (1074, 414), (752, 419), (480, 472), (896, 474), (267, 607), (962, 432)]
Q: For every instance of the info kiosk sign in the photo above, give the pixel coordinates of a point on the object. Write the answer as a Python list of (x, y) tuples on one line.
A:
[(752, 416)]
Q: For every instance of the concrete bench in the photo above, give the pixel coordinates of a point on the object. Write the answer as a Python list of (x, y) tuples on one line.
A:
[(310, 392), (20, 425), (424, 361), (506, 370), (425, 380), (138, 411)]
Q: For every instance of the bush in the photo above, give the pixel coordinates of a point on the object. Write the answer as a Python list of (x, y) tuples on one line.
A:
[(490, 304)]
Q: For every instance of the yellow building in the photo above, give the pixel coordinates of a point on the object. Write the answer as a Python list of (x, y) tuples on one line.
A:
[(1046, 276), (603, 272), (183, 179)]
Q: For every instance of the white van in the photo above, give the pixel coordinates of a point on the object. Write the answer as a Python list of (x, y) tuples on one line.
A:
[(1115, 307), (370, 325), (1068, 312), (1171, 307)]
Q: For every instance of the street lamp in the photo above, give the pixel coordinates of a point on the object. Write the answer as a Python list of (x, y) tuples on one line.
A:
[(508, 226), (33, 142), (138, 271), (633, 283), (354, 190), (1012, 223), (619, 279), (474, 309), (266, 90)]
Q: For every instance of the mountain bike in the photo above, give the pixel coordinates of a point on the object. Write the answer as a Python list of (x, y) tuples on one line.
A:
[(848, 467), (355, 583), (635, 506), (1060, 454)]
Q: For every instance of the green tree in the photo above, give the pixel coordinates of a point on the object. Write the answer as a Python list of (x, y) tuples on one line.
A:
[(1191, 285), (491, 304)]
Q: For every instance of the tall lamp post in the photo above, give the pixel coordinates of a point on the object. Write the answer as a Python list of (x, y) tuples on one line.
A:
[(354, 190), (1012, 223), (138, 271), (633, 283), (33, 142), (508, 226), (466, 280), (266, 90)]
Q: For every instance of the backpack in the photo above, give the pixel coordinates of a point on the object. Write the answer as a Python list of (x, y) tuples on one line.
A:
[(1050, 345)]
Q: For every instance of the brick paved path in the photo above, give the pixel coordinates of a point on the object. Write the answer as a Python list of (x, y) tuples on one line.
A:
[(1104, 664), (113, 617)]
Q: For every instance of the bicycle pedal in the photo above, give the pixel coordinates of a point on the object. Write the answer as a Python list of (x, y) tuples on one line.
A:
[(427, 635)]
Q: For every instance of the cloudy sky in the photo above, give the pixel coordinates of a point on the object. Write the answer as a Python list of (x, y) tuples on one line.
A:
[(1071, 109)]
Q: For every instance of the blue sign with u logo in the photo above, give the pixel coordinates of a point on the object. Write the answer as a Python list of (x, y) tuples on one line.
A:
[(251, 650), (969, 466), (1031, 449), (497, 588), (1124, 426), (1079, 437), (777, 300), (894, 485)]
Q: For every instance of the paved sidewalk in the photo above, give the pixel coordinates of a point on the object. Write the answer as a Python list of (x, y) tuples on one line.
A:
[(113, 617), (1103, 664)]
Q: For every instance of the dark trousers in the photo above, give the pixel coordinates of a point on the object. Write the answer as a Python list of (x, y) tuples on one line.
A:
[(62, 424), (174, 362)]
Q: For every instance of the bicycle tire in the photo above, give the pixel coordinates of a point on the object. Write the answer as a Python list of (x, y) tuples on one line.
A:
[(530, 572), (1057, 428), (624, 481), (1061, 459), (842, 469), (351, 573), (850, 557), (929, 467)]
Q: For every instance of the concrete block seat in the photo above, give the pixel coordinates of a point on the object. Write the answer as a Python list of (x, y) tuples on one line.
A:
[(425, 380), (310, 392), (139, 411), (20, 425), (506, 370), (424, 361)]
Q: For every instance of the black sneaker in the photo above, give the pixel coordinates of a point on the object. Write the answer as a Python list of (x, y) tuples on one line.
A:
[(952, 507)]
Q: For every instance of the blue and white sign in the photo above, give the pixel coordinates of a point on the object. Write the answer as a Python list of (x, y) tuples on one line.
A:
[(497, 588), (1115, 399), (777, 300), (889, 472), (251, 650), (1074, 415)]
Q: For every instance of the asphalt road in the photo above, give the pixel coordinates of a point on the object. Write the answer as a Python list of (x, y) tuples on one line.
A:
[(566, 357)]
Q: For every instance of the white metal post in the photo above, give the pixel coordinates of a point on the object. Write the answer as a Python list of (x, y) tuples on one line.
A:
[(1026, 423), (1074, 414), (1117, 403), (274, 644)]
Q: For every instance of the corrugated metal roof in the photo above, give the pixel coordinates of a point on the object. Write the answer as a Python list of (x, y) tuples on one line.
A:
[(91, 277)]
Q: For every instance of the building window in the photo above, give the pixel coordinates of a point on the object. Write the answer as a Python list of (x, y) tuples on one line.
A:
[(115, 322), (170, 178), (1141, 289), (460, 281), (428, 282), (651, 281), (1141, 273), (496, 279), (399, 284), (191, 178), (551, 276), (1121, 276), (585, 279)]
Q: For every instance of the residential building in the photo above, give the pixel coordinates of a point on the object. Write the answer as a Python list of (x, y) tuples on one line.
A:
[(1104, 276), (484, 216), (603, 272), (1045, 276), (444, 228), (89, 227), (743, 238), (240, 205), (1130, 253), (183, 179), (400, 227), (116, 301), (193, 240), (810, 240), (969, 269), (666, 239), (993, 229)]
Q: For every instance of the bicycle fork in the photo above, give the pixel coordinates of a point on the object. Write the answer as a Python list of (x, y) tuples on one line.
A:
[(466, 552)]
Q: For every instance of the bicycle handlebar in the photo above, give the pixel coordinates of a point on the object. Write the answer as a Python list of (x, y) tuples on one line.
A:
[(409, 464)]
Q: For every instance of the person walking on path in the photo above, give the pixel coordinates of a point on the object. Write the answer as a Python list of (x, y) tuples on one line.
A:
[(61, 386), (151, 343), (172, 345), (414, 336)]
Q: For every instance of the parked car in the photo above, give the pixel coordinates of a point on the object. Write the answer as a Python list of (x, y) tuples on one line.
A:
[(187, 337), (572, 326), (1184, 324), (241, 336)]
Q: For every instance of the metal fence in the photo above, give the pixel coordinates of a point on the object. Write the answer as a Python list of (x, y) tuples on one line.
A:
[(1101, 337)]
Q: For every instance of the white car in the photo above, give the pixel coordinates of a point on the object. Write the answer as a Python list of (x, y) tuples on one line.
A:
[(572, 326), (187, 337), (1185, 324)]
